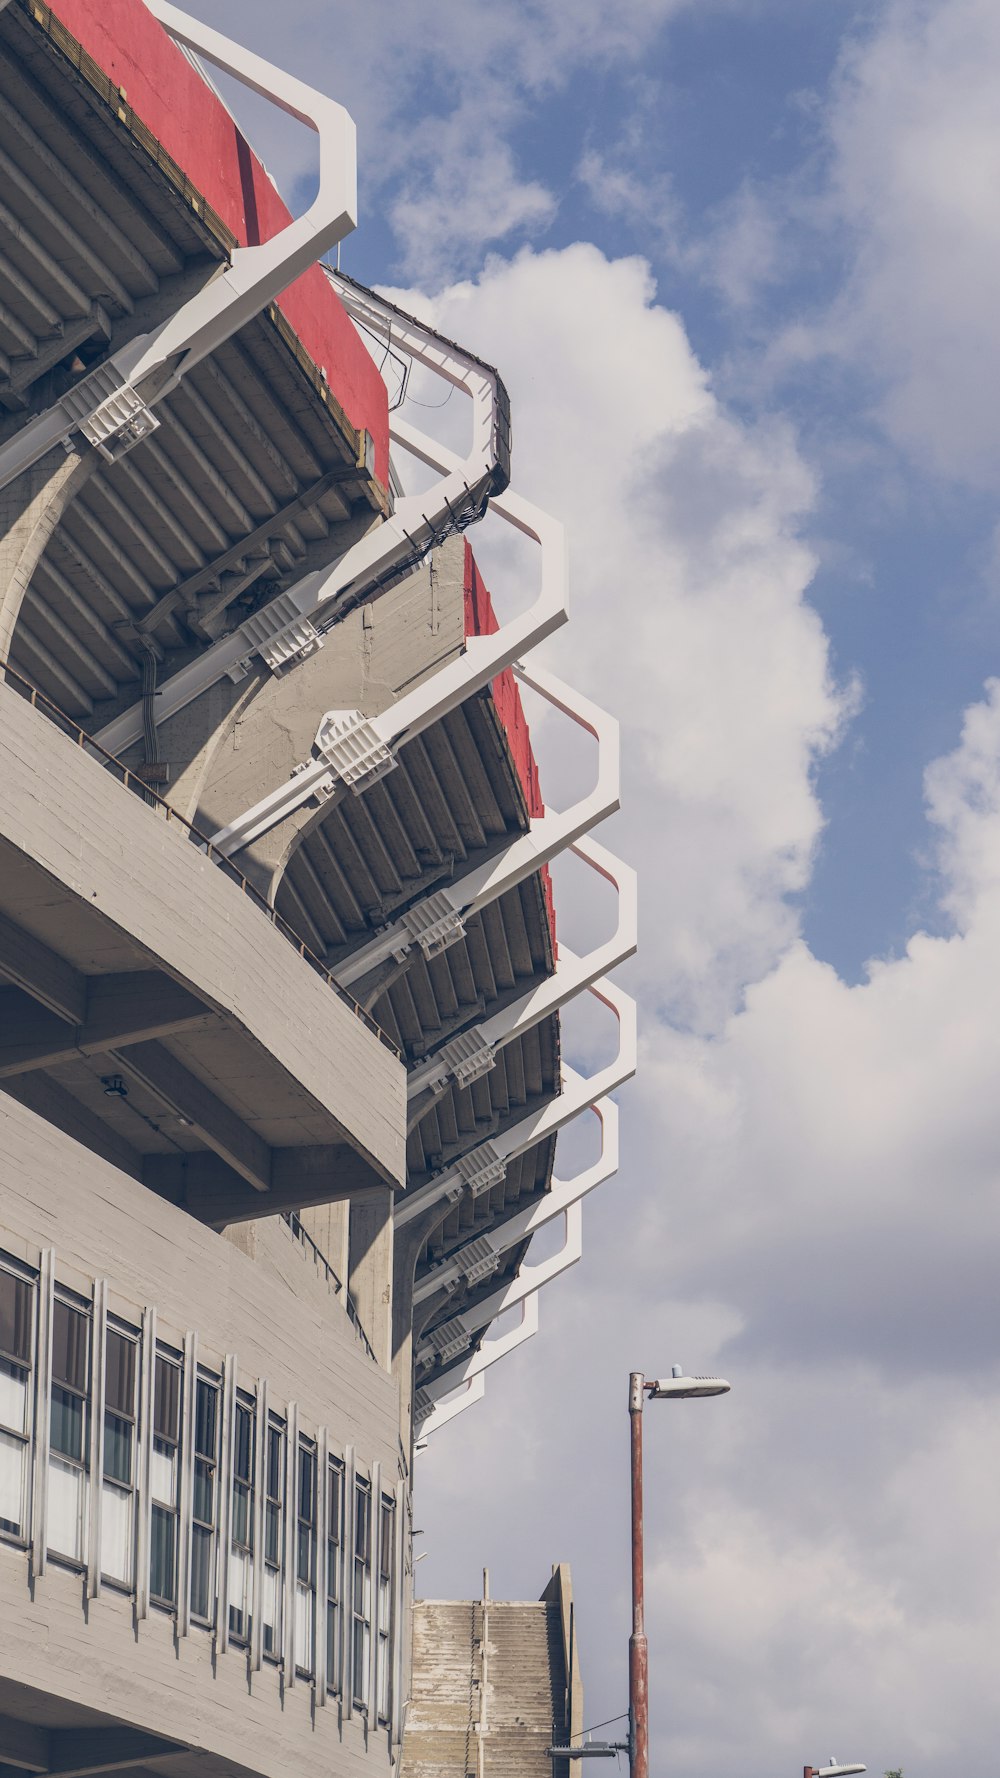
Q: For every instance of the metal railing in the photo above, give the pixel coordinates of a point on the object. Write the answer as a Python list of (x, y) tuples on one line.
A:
[(134, 781), (294, 1222)]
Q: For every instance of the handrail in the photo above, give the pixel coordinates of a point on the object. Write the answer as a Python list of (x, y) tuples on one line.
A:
[(132, 780), (294, 1221)]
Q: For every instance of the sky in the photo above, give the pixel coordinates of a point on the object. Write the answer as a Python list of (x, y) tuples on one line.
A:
[(738, 262)]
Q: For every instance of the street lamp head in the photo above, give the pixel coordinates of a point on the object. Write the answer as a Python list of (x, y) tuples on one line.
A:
[(678, 1387), (835, 1771)]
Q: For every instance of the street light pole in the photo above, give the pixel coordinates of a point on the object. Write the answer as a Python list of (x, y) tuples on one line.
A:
[(638, 1660), (676, 1387)]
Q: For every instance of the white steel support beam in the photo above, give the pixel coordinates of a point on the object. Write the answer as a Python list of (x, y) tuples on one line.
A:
[(489, 1159), (351, 750), (490, 1352), (434, 1414), (564, 1194), (112, 406), (440, 918), (474, 1052), (528, 1281), (314, 603)]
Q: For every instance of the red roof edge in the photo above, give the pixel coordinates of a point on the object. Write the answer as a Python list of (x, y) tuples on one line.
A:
[(481, 620), (194, 127)]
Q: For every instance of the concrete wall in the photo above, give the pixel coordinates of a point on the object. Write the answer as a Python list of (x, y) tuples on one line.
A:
[(275, 1312), (114, 854)]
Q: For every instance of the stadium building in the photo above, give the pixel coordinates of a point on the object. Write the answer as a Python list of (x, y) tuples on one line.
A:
[(280, 982)]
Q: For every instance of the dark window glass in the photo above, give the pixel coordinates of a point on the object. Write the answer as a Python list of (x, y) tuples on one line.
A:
[(241, 1517), (202, 1595), (70, 1342), (204, 1493), (167, 1400), (162, 1554), (274, 1463), (119, 1374), (117, 1449), (15, 1317), (243, 1445), (66, 1435), (205, 1415)]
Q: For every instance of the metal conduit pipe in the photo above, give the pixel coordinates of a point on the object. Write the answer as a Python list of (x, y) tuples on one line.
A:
[(296, 621), (115, 401)]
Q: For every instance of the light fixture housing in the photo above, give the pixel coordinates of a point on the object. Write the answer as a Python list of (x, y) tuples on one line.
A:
[(678, 1387)]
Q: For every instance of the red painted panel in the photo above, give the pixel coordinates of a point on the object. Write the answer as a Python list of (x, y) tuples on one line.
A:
[(198, 132), (481, 620)]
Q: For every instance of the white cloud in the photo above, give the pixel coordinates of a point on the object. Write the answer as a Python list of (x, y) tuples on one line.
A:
[(809, 1198), (916, 164), (689, 617)]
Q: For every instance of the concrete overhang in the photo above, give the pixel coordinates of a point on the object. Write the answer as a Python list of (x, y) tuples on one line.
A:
[(251, 1084)]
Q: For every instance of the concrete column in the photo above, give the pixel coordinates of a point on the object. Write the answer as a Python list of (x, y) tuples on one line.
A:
[(31, 507), (370, 1269)]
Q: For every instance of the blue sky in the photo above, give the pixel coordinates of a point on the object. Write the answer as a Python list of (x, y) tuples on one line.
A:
[(739, 263)]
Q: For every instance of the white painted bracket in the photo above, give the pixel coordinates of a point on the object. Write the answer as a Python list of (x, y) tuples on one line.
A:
[(279, 635), (120, 422), (564, 1193), (478, 1171), (547, 836), (483, 658), (254, 276), (578, 1094), (432, 924), (570, 977), (418, 520)]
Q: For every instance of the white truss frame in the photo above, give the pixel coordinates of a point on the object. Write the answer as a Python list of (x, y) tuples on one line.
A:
[(416, 520), (564, 1194), (572, 974), (578, 1093), (444, 1411), (547, 836), (528, 1281), (482, 659), (490, 1352), (238, 291)]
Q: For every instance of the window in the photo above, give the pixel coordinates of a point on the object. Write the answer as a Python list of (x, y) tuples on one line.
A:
[(165, 1479), (68, 1432), (334, 1544), (386, 1526), (305, 1560), (241, 1546), (118, 1480), (15, 1397), (274, 1486), (361, 1598), (204, 1503)]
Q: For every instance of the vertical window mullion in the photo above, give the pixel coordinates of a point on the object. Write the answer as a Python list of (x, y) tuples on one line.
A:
[(225, 1491), (374, 1559), (43, 1412), (347, 1584), (322, 1556), (396, 1702), (18, 1364), (99, 1344), (185, 1530), (259, 1502), (291, 1526), (145, 1499)]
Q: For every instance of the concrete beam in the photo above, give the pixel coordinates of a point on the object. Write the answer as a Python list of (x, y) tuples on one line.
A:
[(213, 1192), (24, 1745), (79, 1753), (52, 1102), (220, 1128), (43, 974), (128, 1008)]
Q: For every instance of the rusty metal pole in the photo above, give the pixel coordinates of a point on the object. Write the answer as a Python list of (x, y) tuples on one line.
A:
[(638, 1665)]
